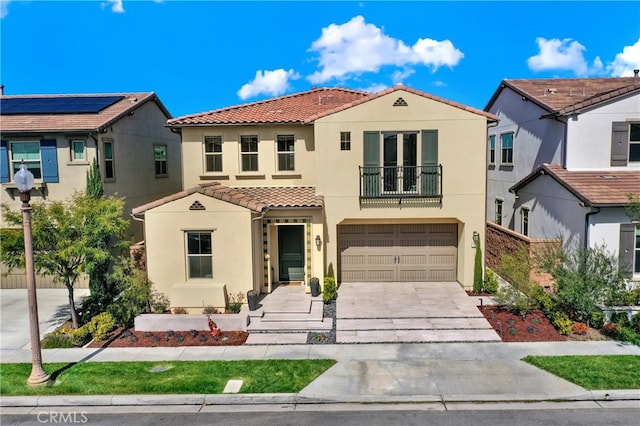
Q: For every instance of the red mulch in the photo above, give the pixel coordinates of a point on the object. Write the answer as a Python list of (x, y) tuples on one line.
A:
[(535, 327), (130, 338)]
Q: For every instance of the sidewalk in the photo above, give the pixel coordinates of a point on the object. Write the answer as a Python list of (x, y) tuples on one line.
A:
[(446, 373)]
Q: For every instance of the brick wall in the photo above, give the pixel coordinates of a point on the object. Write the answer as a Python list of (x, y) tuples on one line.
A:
[(501, 240)]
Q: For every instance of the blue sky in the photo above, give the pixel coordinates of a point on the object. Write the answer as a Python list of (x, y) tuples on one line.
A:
[(202, 55)]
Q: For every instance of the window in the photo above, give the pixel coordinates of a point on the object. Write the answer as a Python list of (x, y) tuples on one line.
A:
[(29, 152), (77, 150), (286, 147), (213, 153), (636, 263), (634, 142), (109, 172), (199, 255), (524, 221), (249, 153), (498, 218), (492, 149), (160, 158), (506, 142), (345, 141)]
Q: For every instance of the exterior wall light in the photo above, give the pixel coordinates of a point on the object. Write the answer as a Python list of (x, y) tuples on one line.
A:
[(318, 241), (476, 239)]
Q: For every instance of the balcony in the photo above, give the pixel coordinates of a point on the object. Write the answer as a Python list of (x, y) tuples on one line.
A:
[(401, 182)]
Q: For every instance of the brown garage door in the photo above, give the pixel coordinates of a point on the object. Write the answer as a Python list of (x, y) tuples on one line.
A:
[(406, 252)]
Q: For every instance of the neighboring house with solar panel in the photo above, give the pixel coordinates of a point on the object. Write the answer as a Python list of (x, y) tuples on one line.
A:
[(562, 161), (59, 136), (386, 187)]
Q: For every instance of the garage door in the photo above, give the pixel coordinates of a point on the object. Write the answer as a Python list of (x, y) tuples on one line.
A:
[(406, 252)]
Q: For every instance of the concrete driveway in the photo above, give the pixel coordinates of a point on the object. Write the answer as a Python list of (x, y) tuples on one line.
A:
[(53, 310), (409, 312)]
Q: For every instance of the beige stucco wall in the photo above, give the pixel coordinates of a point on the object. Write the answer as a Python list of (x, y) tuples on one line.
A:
[(461, 151), (267, 174)]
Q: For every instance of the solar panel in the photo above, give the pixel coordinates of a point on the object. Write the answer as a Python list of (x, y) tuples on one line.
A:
[(57, 105)]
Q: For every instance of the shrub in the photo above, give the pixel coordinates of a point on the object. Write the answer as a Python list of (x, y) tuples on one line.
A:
[(134, 297), (180, 311), (513, 300), (628, 335), (632, 297), (101, 325), (620, 318), (611, 329), (235, 302), (81, 336), (477, 270), (580, 328), (209, 310), (490, 284), (543, 300), (635, 322), (56, 339), (562, 323), (180, 338), (330, 272), (330, 291), (159, 302), (597, 319)]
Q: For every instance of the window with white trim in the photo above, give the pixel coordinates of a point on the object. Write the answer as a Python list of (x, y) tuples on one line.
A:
[(524, 221), (286, 152), (634, 142), (249, 153), (492, 149), (199, 254), (213, 153), (160, 159), (109, 170), (636, 261), (29, 152), (498, 217), (78, 149), (345, 141), (506, 145)]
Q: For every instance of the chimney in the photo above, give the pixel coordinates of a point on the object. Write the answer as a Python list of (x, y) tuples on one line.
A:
[(635, 73), (2, 89)]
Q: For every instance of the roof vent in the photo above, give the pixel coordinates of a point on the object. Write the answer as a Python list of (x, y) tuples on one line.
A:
[(400, 102), (552, 90), (197, 206), (608, 177)]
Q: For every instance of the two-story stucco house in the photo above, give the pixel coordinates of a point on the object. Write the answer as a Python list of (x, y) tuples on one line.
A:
[(563, 159), (386, 187), (59, 136)]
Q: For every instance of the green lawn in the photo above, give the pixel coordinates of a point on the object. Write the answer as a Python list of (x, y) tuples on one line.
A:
[(593, 371), (183, 377)]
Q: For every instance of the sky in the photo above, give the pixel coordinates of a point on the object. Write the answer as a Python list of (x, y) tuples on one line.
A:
[(202, 55)]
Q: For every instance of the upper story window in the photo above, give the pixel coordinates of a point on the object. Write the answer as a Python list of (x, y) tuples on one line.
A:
[(506, 144), (636, 263), (78, 150), (249, 153), (524, 221), (213, 153), (109, 169), (498, 217), (286, 155), (199, 254), (492, 149), (29, 152), (160, 158), (345, 141), (634, 142)]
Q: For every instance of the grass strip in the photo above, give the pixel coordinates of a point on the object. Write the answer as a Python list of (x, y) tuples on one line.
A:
[(167, 377), (593, 372)]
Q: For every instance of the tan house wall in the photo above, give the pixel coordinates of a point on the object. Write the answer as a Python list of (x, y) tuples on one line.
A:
[(461, 150), (267, 174)]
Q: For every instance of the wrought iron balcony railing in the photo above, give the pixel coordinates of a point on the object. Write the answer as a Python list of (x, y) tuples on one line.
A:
[(401, 182)]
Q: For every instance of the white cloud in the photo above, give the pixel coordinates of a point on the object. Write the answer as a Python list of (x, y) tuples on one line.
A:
[(357, 47), (626, 61), (4, 8), (272, 83), (556, 54), (116, 6)]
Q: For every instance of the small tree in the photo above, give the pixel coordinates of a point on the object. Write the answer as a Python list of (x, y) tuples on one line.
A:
[(477, 270), (95, 188), (67, 236)]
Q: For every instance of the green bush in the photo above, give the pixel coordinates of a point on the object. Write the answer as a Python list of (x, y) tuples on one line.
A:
[(620, 318), (330, 290), (330, 272), (632, 297), (81, 336), (135, 294), (628, 335), (597, 319), (635, 322), (159, 302), (562, 323), (101, 325), (490, 284), (543, 300), (477, 270), (513, 300), (56, 340)]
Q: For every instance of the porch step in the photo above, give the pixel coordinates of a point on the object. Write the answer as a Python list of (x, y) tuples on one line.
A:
[(313, 313), (397, 324), (258, 325), (416, 336), (276, 339)]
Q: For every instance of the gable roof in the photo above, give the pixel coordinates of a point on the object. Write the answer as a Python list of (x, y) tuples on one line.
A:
[(256, 199), (594, 188), (561, 96), (302, 108), (51, 122), (294, 108)]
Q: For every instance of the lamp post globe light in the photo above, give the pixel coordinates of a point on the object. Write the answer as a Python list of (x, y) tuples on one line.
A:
[(24, 181)]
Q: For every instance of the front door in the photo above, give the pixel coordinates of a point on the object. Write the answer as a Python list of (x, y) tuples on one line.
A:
[(291, 252)]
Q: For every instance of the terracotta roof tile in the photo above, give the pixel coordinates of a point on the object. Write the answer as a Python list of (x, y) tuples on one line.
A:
[(294, 108), (257, 199), (568, 95), (593, 187), (76, 122)]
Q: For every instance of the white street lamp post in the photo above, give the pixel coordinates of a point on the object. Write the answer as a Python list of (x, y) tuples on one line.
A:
[(24, 181)]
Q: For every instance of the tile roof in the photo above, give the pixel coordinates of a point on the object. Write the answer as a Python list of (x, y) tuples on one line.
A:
[(592, 187), (22, 123), (569, 95), (294, 108), (257, 199), (303, 107)]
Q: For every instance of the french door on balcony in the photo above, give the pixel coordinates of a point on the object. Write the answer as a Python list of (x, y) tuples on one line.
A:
[(400, 161)]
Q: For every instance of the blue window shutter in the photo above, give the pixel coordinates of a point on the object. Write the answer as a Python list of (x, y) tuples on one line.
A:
[(49, 159), (4, 162)]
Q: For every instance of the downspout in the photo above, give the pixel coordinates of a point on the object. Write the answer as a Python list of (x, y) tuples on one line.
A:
[(563, 152), (586, 225)]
